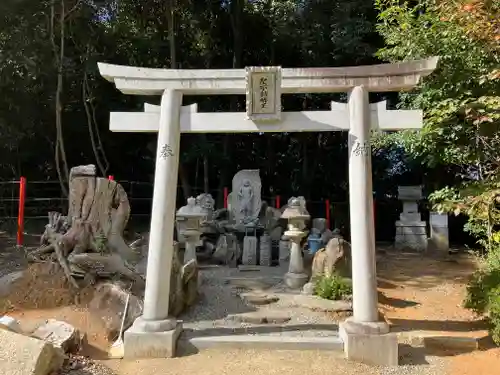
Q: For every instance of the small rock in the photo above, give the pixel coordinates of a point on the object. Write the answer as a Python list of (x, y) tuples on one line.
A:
[(24, 355), (10, 324), (261, 317), (308, 289), (259, 298), (60, 334), (7, 281)]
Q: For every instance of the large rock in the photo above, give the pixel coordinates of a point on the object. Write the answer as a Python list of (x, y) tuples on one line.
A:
[(23, 355), (333, 258), (108, 304), (60, 334)]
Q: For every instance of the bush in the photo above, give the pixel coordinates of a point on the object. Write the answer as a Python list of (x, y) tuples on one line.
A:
[(483, 292), (332, 287)]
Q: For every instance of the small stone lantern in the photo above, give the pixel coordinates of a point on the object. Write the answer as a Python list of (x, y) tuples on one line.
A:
[(189, 218), (297, 216)]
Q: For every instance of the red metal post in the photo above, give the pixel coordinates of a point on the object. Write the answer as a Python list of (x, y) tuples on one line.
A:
[(278, 201), (327, 213), (20, 215), (111, 178), (226, 193)]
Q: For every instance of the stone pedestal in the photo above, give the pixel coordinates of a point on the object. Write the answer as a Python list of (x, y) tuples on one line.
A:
[(411, 232), (265, 250), (369, 342), (296, 276), (439, 236), (146, 341), (284, 252), (249, 257), (192, 241), (296, 215)]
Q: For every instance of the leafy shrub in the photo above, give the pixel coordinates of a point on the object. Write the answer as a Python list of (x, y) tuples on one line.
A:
[(332, 287), (483, 292)]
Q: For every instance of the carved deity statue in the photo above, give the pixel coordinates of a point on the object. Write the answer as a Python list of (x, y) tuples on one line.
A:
[(245, 197), (246, 200)]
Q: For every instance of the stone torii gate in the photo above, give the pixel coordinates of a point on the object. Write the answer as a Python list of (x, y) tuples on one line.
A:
[(366, 339)]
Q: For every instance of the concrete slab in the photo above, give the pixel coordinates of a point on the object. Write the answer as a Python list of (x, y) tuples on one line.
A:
[(140, 344), (333, 343)]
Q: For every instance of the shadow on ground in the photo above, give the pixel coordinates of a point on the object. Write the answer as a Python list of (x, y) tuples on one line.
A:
[(395, 302), (437, 325)]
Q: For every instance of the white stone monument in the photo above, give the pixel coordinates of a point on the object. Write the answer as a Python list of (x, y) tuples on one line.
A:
[(439, 237), (155, 333), (411, 231)]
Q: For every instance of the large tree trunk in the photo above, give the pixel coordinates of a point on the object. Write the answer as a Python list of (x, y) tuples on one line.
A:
[(98, 212)]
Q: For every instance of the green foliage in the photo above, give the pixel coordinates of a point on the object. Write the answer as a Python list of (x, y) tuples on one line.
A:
[(483, 291), (479, 201), (460, 102), (101, 243), (332, 287)]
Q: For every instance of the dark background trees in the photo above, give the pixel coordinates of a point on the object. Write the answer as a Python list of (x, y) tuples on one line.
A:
[(54, 106)]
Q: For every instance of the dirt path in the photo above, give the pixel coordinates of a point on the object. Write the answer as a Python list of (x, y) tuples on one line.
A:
[(251, 362), (421, 294)]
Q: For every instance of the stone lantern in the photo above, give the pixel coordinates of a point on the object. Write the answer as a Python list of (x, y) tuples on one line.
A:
[(296, 216), (189, 220)]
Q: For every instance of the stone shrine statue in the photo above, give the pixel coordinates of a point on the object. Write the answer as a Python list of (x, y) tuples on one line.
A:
[(245, 198)]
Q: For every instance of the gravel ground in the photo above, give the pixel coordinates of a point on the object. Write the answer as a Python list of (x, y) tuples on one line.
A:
[(11, 258), (219, 298)]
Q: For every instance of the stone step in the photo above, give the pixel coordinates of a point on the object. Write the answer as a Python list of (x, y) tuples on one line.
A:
[(268, 342)]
